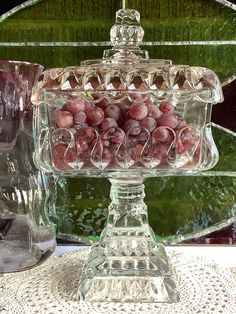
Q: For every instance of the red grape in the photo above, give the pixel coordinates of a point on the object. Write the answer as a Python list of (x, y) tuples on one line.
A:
[(160, 134), (107, 124), (187, 139), (74, 104), (180, 149), (160, 151), (88, 105), (138, 111), (103, 104), (154, 112), (132, 127), (148, 123), (148, 101), (64, 119), (124, 105), (167, 119), (61, 155), (84, 139), (113, 112), (166, 106), (95, 115)]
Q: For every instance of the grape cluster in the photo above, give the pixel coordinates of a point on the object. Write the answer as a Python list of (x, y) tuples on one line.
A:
[(120, 134)]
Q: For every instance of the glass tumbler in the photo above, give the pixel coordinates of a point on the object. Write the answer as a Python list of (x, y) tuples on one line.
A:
[(26, 236)]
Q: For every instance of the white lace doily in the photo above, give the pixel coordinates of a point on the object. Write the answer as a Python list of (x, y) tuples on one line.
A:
[(51, 288)]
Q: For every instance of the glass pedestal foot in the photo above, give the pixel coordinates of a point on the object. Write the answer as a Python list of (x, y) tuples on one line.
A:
[(127, 265)]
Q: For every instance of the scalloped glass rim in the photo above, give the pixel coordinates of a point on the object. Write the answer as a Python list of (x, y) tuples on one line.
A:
[(141, 78)]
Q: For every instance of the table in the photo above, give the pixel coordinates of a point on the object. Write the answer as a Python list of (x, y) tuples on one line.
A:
[(205, 276)]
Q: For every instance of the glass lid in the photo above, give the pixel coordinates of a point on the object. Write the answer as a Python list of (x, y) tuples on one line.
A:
[(127, 68)]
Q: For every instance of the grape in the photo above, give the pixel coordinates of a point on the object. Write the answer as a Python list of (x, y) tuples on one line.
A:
[(103, 104), (148, 123), (113, 148), (154, 112), (84, 139), (61, 155), (160, 134), (136, 96), (166, 106), (132, 126), (113, 112), (107, 124), (96, 96), (74, 104), (187, 139), (95, 115), (68, 134), (138, 111), (160, 151), (167, 119), (106, 155), (64, 119), (148, 102), (58, 152), (79, 119), (88, 105), (180, 149), (117, 137), (138, 148)]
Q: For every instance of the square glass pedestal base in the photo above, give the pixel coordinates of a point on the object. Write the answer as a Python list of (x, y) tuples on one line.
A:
[(143, 278)]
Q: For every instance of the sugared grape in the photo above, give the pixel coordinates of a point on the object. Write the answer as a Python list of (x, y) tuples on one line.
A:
[(167, 119), (166, 106), (154, 112), (113, 112), (148, 123), (95, 115), (74, 104), (138, 111), (132, 127), (80, 119), (64, 119)]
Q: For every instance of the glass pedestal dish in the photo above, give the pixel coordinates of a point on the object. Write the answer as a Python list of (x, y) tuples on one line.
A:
[(126, 117)]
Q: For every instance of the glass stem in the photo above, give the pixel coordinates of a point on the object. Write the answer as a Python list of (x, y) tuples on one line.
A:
[(127, 212)]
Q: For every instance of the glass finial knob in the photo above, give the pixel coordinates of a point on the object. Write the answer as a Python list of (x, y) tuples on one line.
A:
[(127, 31)]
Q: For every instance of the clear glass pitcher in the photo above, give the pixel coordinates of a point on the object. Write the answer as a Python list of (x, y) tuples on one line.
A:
[(26, 236)]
